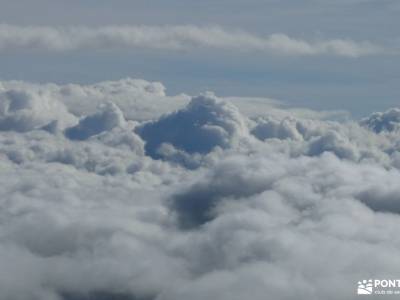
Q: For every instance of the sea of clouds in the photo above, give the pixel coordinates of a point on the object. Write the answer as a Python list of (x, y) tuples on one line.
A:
[(117, 191)]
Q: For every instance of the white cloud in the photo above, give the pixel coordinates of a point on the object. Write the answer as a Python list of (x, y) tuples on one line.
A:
[(99, 218), (138, 99), (108, 118), (173, 38), (23, 110), (281, 129)]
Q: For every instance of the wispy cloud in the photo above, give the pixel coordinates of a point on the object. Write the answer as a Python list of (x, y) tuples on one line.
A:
[(173, 38)]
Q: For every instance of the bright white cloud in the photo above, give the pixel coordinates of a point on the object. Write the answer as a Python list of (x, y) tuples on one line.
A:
[(173, 38)]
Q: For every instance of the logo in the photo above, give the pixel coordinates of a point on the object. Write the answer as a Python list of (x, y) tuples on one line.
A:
[(365, 287), (378, 287)]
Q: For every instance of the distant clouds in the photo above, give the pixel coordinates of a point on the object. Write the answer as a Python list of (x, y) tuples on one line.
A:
[(383, 121), (174, 38)]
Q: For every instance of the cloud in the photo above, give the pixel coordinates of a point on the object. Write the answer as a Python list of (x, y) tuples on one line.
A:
[(205, 123), (281, 129), (383, 121), (108, 118), (26, 110), (173, 38), (138, 99), (238, 203)]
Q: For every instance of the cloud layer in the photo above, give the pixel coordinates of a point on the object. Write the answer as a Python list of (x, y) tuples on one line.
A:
[(117, 191), (173, 38)]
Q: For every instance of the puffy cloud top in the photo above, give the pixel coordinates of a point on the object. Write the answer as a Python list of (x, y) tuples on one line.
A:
[(109, 117), (205, 123), (22, 110), (271, 128), (138, 99), (383, 121)]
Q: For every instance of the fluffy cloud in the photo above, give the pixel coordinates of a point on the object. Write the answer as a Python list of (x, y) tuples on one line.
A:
[(205, 123), (281, 129), (22, 110), (138, 99), (173, 38), (108, 118), (235, 204), (383, 121)]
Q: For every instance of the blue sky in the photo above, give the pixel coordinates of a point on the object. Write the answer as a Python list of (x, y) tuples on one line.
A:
[(359, 84)]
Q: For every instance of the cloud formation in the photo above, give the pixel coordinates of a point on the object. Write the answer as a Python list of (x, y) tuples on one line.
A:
[(22, 110), (205, 123), (108, 118), (383, 121), (173, 38), (237, 205)]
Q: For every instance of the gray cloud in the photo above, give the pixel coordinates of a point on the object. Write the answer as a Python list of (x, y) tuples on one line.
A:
[(204, 124), (174, 38), (383, 121)]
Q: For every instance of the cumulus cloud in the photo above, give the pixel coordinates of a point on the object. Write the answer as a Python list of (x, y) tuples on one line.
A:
[(138, 99), (205, 123), (281, 129), (383, 121), (193, 199), (173, 38), (108, 118), (22, 110)]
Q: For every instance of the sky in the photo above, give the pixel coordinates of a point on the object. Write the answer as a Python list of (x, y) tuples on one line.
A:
[(175, 150), (361, 83)]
